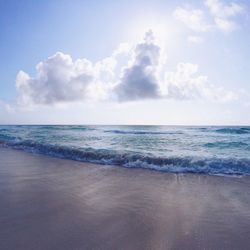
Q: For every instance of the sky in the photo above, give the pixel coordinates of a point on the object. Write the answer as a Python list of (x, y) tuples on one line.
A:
[(125, 62)]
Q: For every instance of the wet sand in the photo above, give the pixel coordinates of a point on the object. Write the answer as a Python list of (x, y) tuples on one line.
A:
[(49, 203)]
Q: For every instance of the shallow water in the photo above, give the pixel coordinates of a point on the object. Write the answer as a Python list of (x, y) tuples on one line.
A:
[(211, 150)]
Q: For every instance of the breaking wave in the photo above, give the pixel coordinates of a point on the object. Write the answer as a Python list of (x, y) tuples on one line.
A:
[(216, 166)]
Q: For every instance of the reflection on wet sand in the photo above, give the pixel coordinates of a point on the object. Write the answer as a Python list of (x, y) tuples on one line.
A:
[(49, 203)]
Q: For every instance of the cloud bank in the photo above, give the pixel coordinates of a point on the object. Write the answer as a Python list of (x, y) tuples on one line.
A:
[(131, 73)]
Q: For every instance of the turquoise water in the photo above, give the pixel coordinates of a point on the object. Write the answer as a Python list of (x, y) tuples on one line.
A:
[(209, 150)]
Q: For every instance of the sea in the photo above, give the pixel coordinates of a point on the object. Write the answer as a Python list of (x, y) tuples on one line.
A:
[(213, 150)]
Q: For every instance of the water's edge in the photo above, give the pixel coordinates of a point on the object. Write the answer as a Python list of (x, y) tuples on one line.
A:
[(225, 167), (206, 150)]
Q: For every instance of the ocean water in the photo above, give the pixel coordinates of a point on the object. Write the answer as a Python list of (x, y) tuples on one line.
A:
[(179, 149)]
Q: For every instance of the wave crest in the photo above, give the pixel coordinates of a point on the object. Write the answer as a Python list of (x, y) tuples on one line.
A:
[(226, 166)]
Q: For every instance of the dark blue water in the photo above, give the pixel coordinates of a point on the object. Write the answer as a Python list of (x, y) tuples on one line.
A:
[(208, 150)]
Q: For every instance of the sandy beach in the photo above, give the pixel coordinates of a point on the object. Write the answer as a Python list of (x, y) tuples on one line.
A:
[(50, 203)]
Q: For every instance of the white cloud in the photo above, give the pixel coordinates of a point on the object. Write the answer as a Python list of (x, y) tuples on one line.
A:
[(219, 9), (223, 14), (184, 83), (192, 18), (225, 25), (139, 80), (59, 79), (6, 106), (129, 74), (216, 15), (195, 39)]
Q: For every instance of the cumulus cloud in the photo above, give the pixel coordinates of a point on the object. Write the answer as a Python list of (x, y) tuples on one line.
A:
[(59, 79), (129, 74), (139, 80), (216, 15)]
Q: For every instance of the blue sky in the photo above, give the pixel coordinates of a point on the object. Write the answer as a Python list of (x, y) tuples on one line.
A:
[(125, 62)]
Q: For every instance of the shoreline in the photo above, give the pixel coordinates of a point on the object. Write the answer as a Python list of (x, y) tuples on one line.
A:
[(185, 165), (53, 203)]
